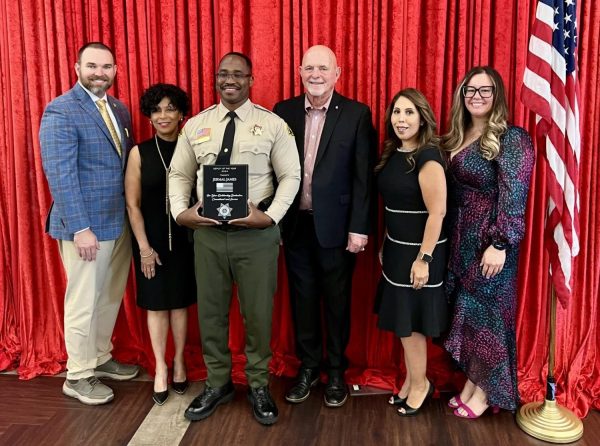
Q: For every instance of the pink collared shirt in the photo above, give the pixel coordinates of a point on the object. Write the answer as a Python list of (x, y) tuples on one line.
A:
[(313, 128)]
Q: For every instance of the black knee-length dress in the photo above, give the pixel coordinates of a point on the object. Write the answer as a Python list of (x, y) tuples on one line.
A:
[(174, 285), (402, 309)]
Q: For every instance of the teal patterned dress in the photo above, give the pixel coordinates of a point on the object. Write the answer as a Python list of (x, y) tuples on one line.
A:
[(487, 204)]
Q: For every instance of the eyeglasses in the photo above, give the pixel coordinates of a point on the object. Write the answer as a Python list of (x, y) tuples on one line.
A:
[(223, 76), (485, 92)]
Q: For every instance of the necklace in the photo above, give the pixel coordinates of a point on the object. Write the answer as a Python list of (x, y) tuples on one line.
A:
[(405, 149), (167, 204)]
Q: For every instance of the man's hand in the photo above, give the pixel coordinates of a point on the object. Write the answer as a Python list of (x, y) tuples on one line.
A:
[(356, 243), (87, 244), (257, 219), (193, 220)]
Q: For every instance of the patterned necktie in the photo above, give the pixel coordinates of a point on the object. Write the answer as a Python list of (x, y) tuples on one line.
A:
[(227, 145), (111, 128)]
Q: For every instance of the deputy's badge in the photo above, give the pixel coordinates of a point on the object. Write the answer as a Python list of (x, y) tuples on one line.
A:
[(289, 130), (256, 130), (224, 210), (202, 135)]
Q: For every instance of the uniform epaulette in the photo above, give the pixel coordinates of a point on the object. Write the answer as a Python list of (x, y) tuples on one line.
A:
[(208, 109), (263, 109)]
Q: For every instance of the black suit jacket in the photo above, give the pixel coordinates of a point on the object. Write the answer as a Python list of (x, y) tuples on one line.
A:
[(342, 177)]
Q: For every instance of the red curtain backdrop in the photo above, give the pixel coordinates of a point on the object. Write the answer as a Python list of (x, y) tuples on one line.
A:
[(382, 46)]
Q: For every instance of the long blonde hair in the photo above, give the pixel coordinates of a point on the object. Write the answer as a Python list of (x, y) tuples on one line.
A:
[(427, 135), (460, 118)]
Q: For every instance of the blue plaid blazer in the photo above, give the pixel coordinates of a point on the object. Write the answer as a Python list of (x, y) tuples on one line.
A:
[(84, 170)]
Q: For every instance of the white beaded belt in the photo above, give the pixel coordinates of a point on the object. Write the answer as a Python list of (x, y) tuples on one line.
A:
[(402, 211), (400, 242), (408, 285)]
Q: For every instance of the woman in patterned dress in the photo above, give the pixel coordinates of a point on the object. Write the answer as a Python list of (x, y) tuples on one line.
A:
[(410, 297), (490, 166)]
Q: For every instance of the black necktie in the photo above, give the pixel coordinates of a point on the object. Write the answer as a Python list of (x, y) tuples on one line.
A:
[(227, 144)]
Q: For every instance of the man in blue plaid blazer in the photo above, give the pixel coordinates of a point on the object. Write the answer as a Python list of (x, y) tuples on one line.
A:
[(85, 136)]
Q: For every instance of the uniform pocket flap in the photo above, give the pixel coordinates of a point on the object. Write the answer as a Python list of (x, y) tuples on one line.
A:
[(204, 149), (263, 147)]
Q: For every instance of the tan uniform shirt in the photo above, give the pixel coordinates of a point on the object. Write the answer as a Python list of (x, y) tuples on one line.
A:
[(262, 140)]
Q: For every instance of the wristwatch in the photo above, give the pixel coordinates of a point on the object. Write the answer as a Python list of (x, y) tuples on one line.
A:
[(500, 246), (427, 258)]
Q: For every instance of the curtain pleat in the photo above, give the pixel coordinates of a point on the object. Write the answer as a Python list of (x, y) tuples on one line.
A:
[(382, 46)]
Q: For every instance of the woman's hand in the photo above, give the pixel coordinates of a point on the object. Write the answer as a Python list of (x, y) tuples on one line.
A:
[(148, 264), (419, 274), (492, 262)]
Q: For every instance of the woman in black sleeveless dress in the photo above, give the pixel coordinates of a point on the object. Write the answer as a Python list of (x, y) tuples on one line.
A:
[(410, 299), (163, 253)]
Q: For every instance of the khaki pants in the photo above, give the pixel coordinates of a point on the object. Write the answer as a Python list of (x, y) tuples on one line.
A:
[(249, 258), (92, 300)]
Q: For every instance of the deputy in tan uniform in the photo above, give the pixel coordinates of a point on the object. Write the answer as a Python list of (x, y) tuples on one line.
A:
[(244, 251)]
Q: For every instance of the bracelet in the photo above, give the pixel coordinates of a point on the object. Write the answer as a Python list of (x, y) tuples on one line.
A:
[(148, 255)]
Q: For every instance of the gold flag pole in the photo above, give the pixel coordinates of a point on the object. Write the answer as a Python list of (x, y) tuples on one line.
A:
[(548, 420)]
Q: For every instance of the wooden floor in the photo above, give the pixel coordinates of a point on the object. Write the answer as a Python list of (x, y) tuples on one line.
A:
[(36, 413)]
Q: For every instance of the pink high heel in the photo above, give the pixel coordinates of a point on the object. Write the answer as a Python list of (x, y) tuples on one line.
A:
[(455, 402), (472, 415)]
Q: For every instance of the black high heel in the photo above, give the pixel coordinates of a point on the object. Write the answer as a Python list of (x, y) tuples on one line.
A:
[(160, 397), (396, 400), (179, 387), (411, 411)]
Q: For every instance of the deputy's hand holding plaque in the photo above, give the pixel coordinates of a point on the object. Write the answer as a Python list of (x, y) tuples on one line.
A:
[(225, 189)]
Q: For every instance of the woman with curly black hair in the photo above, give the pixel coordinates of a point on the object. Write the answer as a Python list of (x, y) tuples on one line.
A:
[(163, 253)]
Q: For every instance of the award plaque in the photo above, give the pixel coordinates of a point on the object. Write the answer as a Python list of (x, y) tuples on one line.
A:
[(225, 191)]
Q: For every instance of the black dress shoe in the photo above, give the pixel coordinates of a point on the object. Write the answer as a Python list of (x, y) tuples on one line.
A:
[(160, 397), (207, 402), (263, 407), (336, 392), (305, 379), (180, 388), (407, 411)]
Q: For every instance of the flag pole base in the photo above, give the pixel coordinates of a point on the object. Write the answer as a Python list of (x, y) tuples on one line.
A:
[(549, 422)]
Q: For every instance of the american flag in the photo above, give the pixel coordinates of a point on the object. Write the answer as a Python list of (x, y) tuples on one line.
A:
[(550, 89)]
